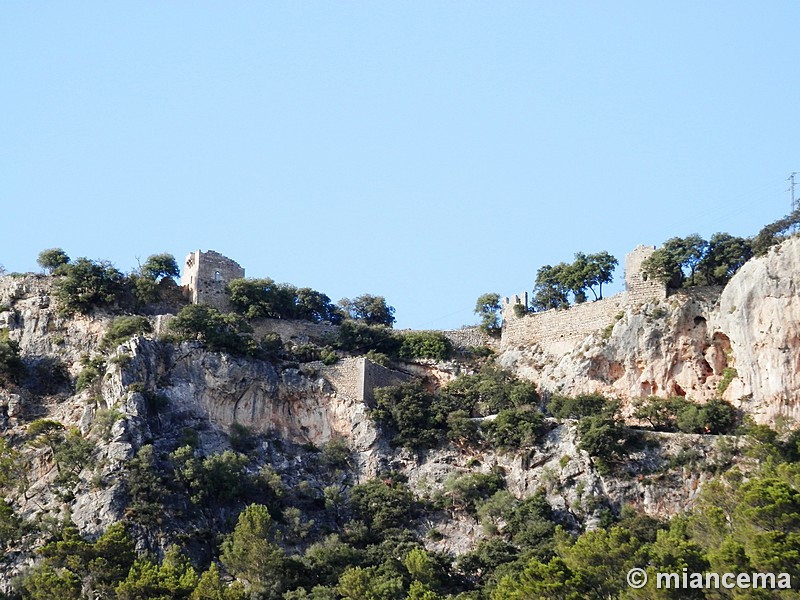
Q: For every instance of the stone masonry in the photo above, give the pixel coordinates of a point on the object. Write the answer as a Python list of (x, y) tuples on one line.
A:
[(357, 378), (557, 331), (205, 276)]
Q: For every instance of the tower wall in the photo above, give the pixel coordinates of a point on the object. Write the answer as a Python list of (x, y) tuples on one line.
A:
[(205, 275)]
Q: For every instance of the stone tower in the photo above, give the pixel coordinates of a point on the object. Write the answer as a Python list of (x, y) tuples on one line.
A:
[(637, 287), (205, 276)]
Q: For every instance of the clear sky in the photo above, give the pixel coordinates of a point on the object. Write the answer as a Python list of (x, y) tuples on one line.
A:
[(424, 151)]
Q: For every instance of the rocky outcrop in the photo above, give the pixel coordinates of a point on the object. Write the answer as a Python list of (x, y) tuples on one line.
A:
[(661, 478), (740, 343), (759, 312)]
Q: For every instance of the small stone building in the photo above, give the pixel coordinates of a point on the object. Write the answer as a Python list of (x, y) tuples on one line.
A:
[(205, 276)]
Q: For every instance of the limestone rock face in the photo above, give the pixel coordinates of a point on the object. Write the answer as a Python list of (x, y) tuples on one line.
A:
[(570, 479), (741, 343), (657, 348), (759, 311)]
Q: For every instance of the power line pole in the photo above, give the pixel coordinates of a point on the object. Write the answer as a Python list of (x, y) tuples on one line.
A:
[(794, 205)]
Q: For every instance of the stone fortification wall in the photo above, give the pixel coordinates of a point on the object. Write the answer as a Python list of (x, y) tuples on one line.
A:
[(347, 377), (469, 337), (376, 376), (357, 378), (637, 288), (301, 332), (558, 331), (205, 275), (466, 337)]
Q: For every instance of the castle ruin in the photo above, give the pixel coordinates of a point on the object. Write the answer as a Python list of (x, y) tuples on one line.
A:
[(205, 275), (557, 331)]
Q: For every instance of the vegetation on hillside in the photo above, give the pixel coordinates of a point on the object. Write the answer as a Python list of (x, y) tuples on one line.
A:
[(557, 286), (263, 298), (416, 418), (691, 260), (261, 518)]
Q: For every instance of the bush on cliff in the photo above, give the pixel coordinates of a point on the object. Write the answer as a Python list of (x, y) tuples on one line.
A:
[(219, 332)]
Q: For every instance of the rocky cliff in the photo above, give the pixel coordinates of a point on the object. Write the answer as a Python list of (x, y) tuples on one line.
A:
[(740, 343)]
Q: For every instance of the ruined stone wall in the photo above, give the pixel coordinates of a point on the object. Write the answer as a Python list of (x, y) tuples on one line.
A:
[(205, 275), (347, 377), (637, 288), (558, 331), (357, 378), (469, 337), (300, 332), (466, 337), (376, 376)]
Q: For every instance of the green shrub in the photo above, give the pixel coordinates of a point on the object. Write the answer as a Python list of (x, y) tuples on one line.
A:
[(728, 375), (218, 478), (602, 436), (104, 420), (486, 392), (11, 526), (124, 328), (425, 344), (219, 332), (565, 407), (12, 468), (158, 266), (774, 233), (355, 336), (120, 360), (661, 413), (271, 345), (328, 356), (714, 417), (405, 411), (379, 358), (51, 259), (146, 489), (680, 414), (241, 437), (514, 428), (189, 437), (466, 491), (72, 455), (383, 504), (86, 284), (45, 431), (305, 353), (487, 307), (11, 366), (92, 370), (369, 309), (256, 298), (462, 428)]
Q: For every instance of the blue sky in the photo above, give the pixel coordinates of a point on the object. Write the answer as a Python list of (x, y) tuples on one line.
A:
[(424, 151)]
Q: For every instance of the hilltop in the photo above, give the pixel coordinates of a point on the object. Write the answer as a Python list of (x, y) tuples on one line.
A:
[(208, 438)]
